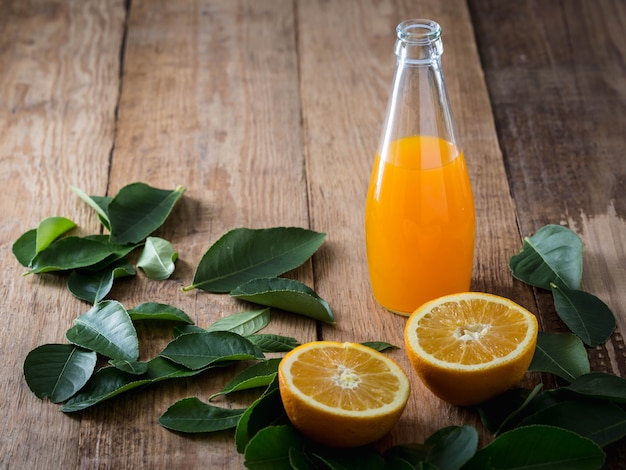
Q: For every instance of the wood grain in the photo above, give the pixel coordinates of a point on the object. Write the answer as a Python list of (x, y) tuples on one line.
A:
[(59, 84)]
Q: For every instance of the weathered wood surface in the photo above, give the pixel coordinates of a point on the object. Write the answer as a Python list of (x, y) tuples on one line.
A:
[(269, 113)]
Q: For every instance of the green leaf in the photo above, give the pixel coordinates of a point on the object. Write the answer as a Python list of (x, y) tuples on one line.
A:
[(286, 294), (553, 255), (273, 343), (192, 415), (107, 329), (269, 448), (257, 375), (109, 382), (501, 413), (449, 448), (180, 330), (243, 323), (98, 203), (267, 410), (199, 350), (561, 354), (132, 367), (157, 259), (602, 422), (24, 248), (244, 254), (93, 286), (138, 210), (539, 447), (157, 311), (58, 371), (117, 254), (599, 385), (584, 314), (69, 253), (362, 458), (50, 229), (379, 346)]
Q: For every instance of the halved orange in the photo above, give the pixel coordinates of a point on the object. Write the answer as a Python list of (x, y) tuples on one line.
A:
[(342, 394), (470, 347)]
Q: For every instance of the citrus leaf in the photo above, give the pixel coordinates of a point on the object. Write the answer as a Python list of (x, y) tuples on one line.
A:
[(379, 346), (553, 255), (186, 329), (50, 229), (257, 375), (157, 311), (273, 343), (269, 448), (539, 446), (107, 329), (100, 204), (561, 354), (243, 323), (244, 254), (109, 382), (90, 286), (132, 367), (24, 248), (500, 413), (599, 385), (584, 314), (362, 458), (58, 371), (602, 422), (138, 210), (157, 258), (199, 350), (286, 294), (193, 415), (70, 253)]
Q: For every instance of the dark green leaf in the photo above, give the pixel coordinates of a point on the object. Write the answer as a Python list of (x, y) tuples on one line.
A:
[(98, 203), (273, 343), (58, 371), (286, 294), (269, 448), (561, 354), (244, 254), (157, 258), (553, 255), (186, 329), (193, 415), (117, 256), (538, 447), (602, 422), (584, 314), (132, 367), (379, 346), (267, 410), (501, 413), (243, 323), (156, 311), (599, 385), (90, 286), (362, 458), (257, 375), (50, 229), (199, 350), (138, 210), (109, 382), (107, 329), (69, 253), (24, 248)]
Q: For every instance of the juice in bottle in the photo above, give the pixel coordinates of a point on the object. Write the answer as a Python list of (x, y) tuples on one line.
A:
[(419, 223)]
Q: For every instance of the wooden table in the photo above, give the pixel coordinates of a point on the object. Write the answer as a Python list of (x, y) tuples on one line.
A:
[(269, 113)]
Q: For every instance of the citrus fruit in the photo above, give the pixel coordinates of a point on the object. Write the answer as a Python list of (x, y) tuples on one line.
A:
[(470, 347), (342, 394)]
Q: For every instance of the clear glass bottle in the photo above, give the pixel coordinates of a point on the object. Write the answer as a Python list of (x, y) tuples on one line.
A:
[(419, 215)]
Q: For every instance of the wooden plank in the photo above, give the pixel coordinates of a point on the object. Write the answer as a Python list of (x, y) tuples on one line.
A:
[(59, 84), (210, 101), (555, 72), (347, 65)]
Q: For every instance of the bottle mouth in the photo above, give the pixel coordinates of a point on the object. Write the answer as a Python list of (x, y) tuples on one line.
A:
[(418, 31), (419, 41)]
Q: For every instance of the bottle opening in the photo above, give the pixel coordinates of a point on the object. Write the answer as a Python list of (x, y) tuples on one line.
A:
[(418, 31)]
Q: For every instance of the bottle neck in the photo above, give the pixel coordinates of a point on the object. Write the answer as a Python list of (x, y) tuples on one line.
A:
[(418, 42)]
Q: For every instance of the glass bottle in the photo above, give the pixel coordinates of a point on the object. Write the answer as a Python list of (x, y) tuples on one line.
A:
[(419, 215)]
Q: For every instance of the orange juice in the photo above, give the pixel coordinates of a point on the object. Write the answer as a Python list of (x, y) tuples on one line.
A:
[(419, 223)]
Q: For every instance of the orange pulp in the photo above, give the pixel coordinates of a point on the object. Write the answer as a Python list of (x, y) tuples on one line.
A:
[(419, 223)]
